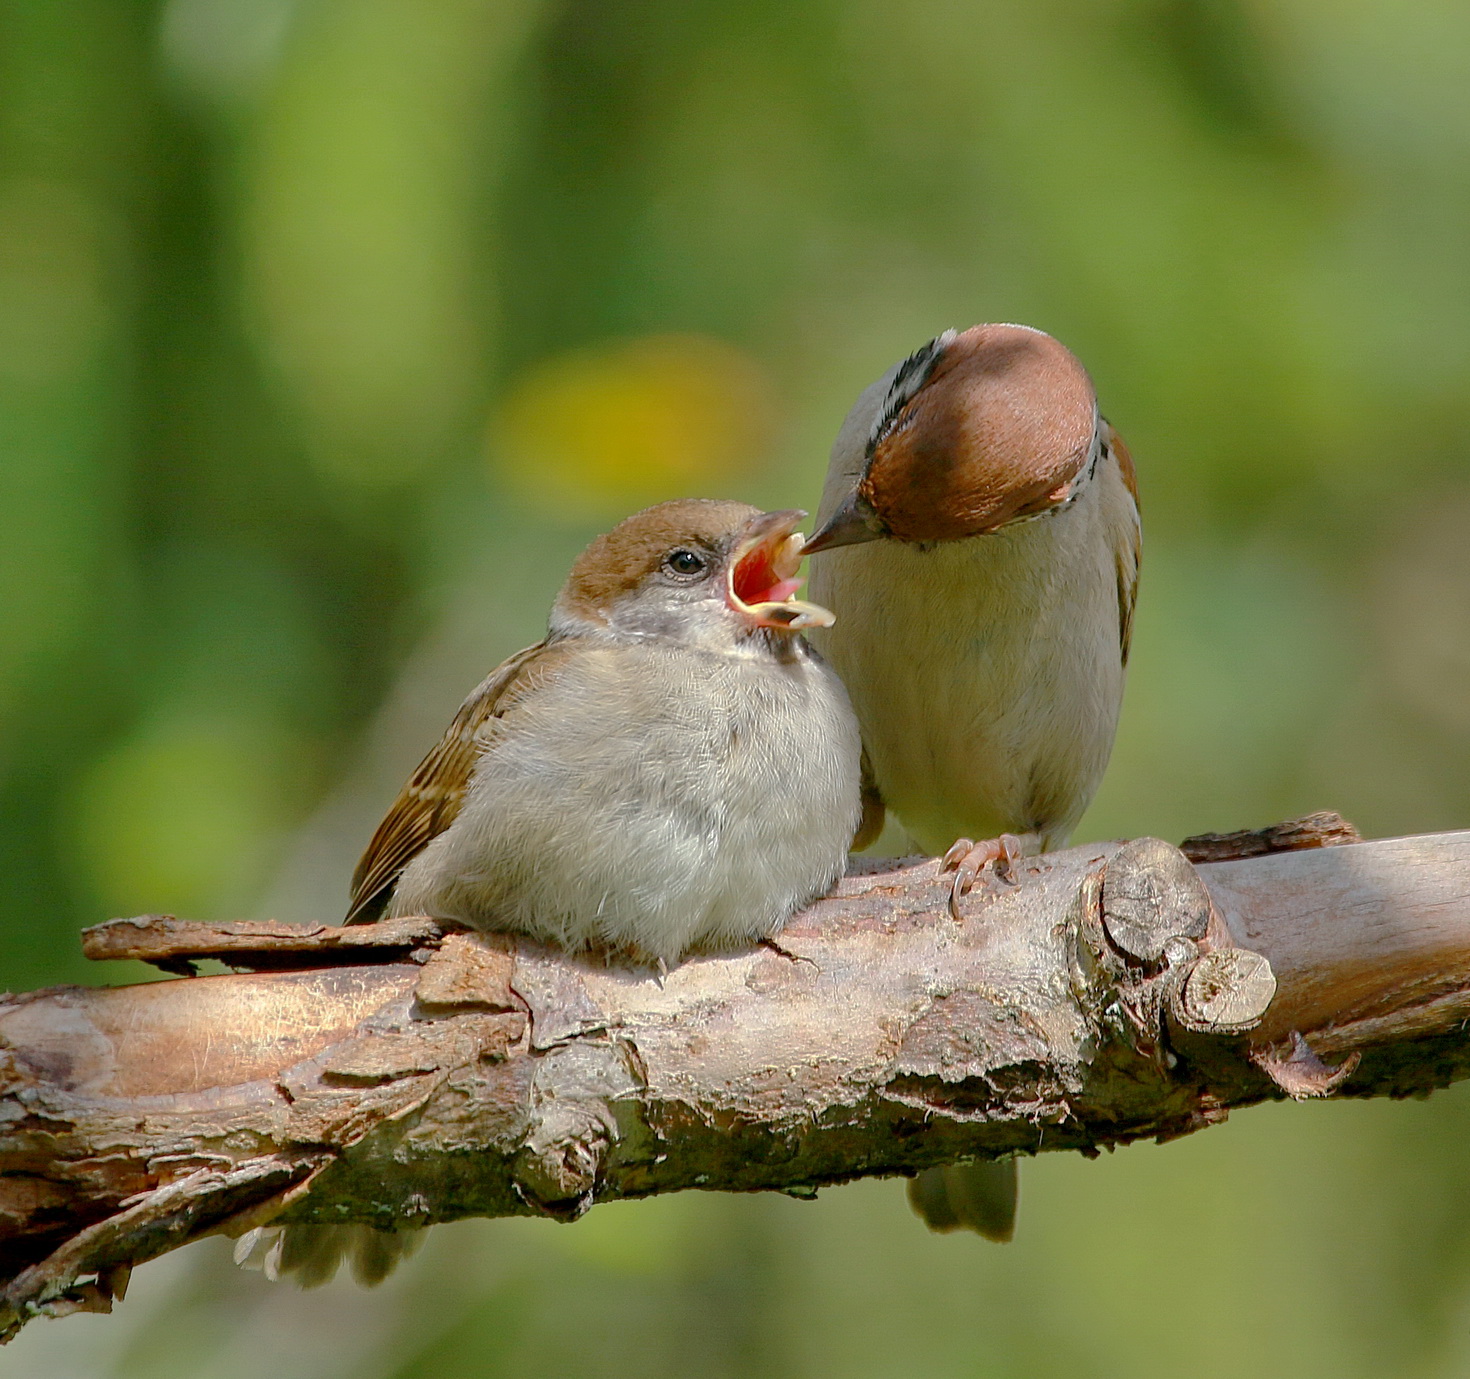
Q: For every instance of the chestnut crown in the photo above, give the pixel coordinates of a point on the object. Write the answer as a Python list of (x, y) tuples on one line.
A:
[(618, 562), (699, 571), (979, 428)]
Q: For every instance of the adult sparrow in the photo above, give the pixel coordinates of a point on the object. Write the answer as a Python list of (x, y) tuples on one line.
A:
[(978, 542)]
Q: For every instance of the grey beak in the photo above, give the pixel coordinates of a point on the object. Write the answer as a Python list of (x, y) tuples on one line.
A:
[(853, 522)]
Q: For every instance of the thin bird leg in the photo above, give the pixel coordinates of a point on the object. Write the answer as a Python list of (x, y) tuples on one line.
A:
[(967, 859), (783, 952)]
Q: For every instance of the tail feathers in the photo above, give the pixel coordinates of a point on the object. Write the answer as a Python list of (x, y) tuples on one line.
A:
[(310, 1256), (978, 1196)]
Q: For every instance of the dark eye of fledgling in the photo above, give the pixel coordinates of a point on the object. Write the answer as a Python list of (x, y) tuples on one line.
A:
[(683, 562)]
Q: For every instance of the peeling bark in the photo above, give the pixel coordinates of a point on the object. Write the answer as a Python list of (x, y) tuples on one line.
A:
[(404, 1073)]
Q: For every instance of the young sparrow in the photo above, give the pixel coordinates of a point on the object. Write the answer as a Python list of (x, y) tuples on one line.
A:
[(673, 769), (979, 540)]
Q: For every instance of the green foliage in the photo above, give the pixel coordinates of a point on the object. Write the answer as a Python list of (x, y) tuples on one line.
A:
[(298, 298)]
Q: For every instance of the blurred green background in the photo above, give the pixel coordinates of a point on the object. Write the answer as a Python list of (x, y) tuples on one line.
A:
[(331, 329)]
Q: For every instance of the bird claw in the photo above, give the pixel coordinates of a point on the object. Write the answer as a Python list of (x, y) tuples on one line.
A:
[(967, 859)]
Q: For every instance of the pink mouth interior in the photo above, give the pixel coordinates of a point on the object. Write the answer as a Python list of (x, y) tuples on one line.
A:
[(755, 580)]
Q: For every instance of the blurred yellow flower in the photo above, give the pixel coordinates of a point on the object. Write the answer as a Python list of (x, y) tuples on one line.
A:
[(600, 431)]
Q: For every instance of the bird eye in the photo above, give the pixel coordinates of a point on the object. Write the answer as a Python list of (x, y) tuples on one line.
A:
[(683, 562)]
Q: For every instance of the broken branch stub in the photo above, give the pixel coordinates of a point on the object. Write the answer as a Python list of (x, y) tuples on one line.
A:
[(1100, 1000), (1324, 829), (1151, 894), (1226, 991), (1157, 911), (175, 945)]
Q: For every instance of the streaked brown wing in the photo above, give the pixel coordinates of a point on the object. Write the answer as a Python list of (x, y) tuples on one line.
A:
[(1127, 595), (428, 804), (1129, 552)]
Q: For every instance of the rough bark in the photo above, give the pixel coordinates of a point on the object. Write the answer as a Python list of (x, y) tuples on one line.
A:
[(403, 1073)]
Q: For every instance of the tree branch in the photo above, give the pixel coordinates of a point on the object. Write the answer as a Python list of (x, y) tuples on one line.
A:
[(406, 1074)]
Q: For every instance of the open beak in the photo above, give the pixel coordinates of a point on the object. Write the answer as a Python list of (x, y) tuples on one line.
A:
[(853, 522), (762, 575)]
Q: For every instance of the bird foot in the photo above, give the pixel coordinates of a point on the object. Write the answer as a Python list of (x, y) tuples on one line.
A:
[(967, 859)]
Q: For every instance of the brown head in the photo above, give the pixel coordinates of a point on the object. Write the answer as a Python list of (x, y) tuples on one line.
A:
[(979, 429), (696, 569)]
